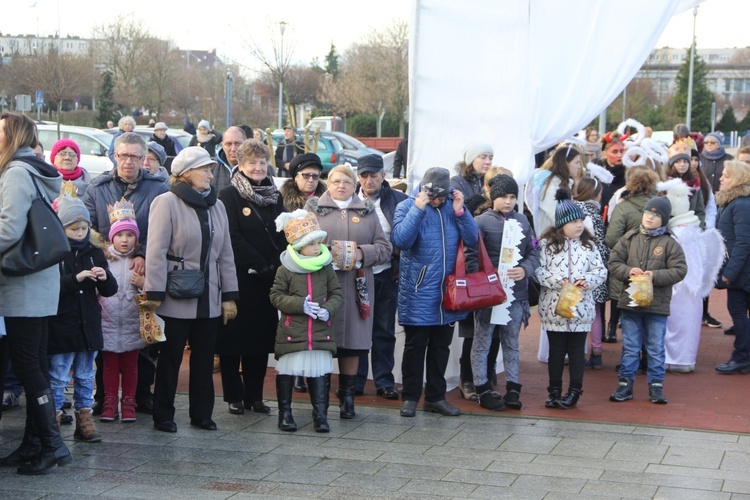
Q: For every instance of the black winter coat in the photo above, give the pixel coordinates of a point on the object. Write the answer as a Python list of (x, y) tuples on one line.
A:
[(608, 190), (257, 246), (78, 324), (734, 226)]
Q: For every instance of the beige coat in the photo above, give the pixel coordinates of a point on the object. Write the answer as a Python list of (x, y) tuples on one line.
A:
[(174, 229), (359, 222)]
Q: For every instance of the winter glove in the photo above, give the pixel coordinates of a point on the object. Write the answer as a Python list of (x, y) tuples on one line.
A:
[(310, 308), (228, 310), (323, 314), (150, 304)]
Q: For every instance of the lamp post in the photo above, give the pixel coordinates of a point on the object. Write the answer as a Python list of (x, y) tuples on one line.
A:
[(325, 90), (229, 98), (690, 76), (282, 27)]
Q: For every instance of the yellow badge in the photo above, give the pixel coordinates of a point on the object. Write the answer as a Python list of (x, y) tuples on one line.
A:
[(355, 219), (659, 251), (246, 211)]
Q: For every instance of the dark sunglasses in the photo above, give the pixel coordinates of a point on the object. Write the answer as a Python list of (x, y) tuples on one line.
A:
[(307, 176)]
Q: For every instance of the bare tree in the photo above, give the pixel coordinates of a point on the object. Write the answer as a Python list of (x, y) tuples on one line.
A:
[(159, 69)]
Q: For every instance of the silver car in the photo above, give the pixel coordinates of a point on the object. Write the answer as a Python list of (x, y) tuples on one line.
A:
[(92, 142)]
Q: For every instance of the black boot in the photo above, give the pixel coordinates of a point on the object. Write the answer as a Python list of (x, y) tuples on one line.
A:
[(513, 395), (284, 396), (299, 384), (319, 399), (346, 396), (53, 452), (554, 396), (30, 446), (611, 336), (487, 399), (570, 400)]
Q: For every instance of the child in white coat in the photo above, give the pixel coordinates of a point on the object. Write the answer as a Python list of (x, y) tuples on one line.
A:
[(567, 254)]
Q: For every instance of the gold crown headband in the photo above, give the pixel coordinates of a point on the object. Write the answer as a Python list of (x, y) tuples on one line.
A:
[(122, 209)]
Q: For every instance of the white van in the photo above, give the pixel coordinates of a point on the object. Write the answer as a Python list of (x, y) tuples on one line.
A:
[(326, 124)]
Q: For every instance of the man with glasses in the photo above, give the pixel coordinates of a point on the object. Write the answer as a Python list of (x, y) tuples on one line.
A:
[(226, 160), (137, 185), (372, 184)]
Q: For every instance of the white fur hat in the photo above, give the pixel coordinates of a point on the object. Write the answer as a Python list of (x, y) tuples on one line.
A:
[(678, 194)]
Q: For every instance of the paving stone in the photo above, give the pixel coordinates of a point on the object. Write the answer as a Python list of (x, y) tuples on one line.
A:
[(153, 491), (618, 490), (477, 440), (476, 463), (297, 462), (529, 482), (696, 472), (466, 452), (413, 471), (490, 478), (343, 493), (575, 426), (372, 483), (207, 470), (637, 453), (736, 461), (737, 486), (126, 477), (377, 432), (665, 432), (586, 448), (493, 492), (354, 444), (348, 466), (327, 452), (53, 482), (590, 463), (304, 476), (693, 457), (530, 444), (439, 488), (695, 483), (561, 471), (108, 462), (671, 493), (584, 433), (220, 457), (705, 444), (426, 435)]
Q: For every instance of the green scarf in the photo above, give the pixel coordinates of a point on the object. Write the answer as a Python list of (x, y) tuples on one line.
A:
[(311, 264)]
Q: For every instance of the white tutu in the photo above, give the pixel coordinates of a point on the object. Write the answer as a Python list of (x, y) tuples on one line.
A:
[(306, 364)]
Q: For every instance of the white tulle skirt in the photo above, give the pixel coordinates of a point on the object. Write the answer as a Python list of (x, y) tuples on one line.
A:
[(306, 364)]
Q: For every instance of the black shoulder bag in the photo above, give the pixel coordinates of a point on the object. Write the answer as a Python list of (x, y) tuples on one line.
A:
[(43, 243), (187, 283)]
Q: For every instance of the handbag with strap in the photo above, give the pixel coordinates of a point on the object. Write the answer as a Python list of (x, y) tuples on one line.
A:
[(43, 244), (188, 283), (471, 292)]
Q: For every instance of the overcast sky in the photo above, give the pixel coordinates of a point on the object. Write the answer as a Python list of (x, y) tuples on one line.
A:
[(312, 24)]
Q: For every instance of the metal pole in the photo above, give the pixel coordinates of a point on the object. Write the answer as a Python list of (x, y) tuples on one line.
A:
[(229, 99), (282, 26), (713, 117), (690, 76)]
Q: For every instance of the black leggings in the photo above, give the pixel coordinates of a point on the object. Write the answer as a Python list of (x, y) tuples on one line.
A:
[(572, 344), (27, 344)]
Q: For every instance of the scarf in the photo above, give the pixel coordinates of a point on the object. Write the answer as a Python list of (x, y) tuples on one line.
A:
[(310, 264), (78, 245), (191, 197), (363, 298), (653, 232), (204, 138), (343, 204), (70, 175), (716, 155), (262, 195), (129, 186)]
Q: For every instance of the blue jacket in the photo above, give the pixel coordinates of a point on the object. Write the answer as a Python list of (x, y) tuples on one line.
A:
[(428, 240), (734, 226)]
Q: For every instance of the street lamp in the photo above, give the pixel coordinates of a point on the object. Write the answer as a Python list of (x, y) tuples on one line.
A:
[(229, 98), (690, 76), (325, 91), (282, 27)]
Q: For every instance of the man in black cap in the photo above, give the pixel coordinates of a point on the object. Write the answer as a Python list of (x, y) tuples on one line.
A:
[(285, 152), (372, 185)]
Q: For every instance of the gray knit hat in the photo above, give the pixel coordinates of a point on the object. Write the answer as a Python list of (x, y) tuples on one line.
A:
[(71, 210), (502, 185), (661, 206), (436, 182), (475, 149), (566, 210)]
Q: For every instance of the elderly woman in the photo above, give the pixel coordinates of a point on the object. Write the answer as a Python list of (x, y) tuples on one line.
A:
[(358, 243), (171, 146), (427, 228), (304, 183), (734, 225), (126, 124), (27, 302), (154, 161), (189, 230), (253, 203), (207, 138), (65, 155)]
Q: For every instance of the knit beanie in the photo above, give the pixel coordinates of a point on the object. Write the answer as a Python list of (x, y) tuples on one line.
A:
[(204, 123), (300, 228), (566, 210), (124, 225), (680, 150), (436, 182), (661, 206), (158, 150), (71, 210), (502, 185), (475, 149), (62, 144), (121, 218), (716, 135)]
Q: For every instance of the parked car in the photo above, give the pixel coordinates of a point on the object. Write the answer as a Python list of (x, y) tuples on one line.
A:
[(353, 147), (92, 142), (330, 149), (182, 137)]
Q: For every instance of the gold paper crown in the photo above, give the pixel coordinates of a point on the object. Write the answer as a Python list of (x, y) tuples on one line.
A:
[(682, 146), (69, 188), (297, 228), (122, 209)]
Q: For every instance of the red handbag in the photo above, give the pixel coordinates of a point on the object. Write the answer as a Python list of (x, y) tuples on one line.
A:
[(474, 291)]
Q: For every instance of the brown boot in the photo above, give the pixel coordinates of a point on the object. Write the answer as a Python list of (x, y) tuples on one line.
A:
[(85, 430)]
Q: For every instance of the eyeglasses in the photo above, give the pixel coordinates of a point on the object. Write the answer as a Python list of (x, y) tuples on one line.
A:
[(150, 159), (126, 157), (339, 182), (710, 142), (307, 176), (67, 154)]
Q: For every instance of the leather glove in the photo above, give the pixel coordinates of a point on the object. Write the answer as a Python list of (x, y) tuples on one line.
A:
[(228, 311), (310, 308), (323, 314), (150, 304)]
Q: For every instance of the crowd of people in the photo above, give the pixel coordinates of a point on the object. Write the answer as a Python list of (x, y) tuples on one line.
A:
[(318, 270)]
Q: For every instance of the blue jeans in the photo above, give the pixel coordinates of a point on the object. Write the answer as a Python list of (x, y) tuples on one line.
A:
[(84, 372), (643, 329), (383, 334), (737, 305)]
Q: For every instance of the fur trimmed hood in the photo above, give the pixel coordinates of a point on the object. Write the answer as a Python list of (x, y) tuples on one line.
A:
[(324, 204), (294, 198), (724, 197)]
